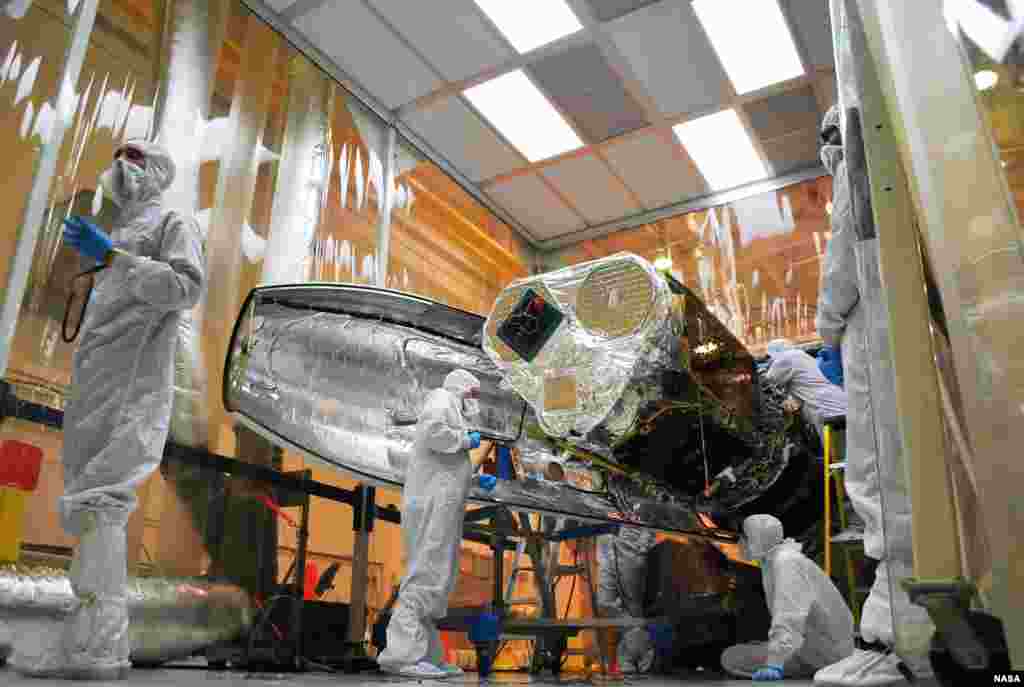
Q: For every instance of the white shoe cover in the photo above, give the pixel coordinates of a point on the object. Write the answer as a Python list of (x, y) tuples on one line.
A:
[(93, 642), (91, 645), (422, 670), (862, 669)]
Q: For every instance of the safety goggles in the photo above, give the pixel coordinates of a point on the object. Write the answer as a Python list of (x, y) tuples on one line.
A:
[(131, 154)]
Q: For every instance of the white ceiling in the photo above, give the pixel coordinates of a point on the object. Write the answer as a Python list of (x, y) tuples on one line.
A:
[(637, 68)]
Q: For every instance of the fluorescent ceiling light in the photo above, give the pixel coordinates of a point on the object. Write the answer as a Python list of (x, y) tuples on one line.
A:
[(752, 40), (521, 113), (722, 150), (529, 28), (985, 79)]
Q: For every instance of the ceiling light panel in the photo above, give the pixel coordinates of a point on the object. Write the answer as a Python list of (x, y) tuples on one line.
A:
[(545, 21), (722, 150), (753, 41), (521, 113)]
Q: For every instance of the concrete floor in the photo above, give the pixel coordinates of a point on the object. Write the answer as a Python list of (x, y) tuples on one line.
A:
[(194, 676)]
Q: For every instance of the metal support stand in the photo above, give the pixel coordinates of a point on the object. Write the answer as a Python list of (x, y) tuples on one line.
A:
[(364, 513), (550, 634), (299, 581)]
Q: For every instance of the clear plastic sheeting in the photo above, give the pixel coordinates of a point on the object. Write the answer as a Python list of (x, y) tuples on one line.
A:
[(619, 323), (340, 373), (170, 619)]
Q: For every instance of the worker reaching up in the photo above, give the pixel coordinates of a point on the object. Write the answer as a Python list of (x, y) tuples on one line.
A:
[(433, 501)]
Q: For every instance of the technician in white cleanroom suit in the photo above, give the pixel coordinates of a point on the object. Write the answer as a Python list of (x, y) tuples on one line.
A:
[(852, 313), (433, 502), (812, 626), (116, 419), (799, 375), (621, 587)]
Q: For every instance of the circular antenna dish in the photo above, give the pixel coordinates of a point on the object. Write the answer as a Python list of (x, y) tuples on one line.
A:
[(615, 299)]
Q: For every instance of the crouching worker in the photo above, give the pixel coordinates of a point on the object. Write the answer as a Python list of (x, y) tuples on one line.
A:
[(812, 627)]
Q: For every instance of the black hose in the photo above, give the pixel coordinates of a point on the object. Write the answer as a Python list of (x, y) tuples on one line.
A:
[(85, 302)]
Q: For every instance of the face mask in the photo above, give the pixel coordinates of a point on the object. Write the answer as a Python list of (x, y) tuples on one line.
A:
[(470, 407), (123, 181)]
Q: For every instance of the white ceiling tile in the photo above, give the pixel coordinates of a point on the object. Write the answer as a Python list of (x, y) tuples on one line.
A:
[(783, 113), (670, 54), (450, 34), (813, 26), (798, 150), (607, 10), (583, 85), (455, 131), (535, 206), (279, 5), (650, 167), (592, 189), (352, 36)]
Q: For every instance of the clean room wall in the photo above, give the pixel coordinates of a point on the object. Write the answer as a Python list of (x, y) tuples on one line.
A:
[(242, 190), (755, 262)]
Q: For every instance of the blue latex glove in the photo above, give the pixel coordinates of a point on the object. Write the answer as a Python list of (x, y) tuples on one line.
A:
[(87, 238), (474, 439), (768, 674), (487, 482), (830, 362)]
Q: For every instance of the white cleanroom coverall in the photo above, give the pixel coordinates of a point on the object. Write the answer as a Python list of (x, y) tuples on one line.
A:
[(437, 483), (621, 587), (812, 626), (852, 312), (117, 415), (798, 373)]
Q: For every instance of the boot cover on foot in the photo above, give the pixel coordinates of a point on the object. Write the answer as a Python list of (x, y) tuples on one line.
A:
[(868, 668), (421, 670), (93, 644)]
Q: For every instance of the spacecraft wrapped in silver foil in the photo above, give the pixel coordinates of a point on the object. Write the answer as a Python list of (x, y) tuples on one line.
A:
[(616, 324), (339, 373), (171, 619), (626, 367)]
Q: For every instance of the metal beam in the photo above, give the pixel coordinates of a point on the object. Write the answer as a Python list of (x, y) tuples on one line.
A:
[(300, 8), (301, 43), (691, 205)]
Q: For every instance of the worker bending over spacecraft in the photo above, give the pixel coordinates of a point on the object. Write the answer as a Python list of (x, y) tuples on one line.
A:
[(799, 375)]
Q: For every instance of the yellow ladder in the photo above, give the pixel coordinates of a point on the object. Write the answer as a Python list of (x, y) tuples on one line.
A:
[(835, 438)]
